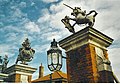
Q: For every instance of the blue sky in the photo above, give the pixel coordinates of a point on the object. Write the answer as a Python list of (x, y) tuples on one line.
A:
[(40, 21)]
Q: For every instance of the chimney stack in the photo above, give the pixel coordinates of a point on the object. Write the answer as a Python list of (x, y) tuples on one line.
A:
[(41, 71)]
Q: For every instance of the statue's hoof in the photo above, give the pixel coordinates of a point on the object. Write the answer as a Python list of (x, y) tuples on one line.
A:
[(26, 64), (72, 31)]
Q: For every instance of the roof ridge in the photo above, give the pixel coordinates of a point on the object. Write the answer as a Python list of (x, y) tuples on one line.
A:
[(55, 75), (59, 74)]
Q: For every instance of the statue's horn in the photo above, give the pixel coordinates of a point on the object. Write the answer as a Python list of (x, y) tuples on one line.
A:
[(68, 6)]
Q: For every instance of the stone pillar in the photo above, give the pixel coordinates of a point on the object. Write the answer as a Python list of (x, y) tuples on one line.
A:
[(87, 58), (20, 73)]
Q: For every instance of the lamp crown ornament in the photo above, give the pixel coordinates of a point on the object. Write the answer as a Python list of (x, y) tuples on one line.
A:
[(54, 43)]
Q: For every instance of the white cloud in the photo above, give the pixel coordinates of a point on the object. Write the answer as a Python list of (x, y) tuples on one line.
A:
[(11, 37), (114, 55), (32, 3), (17, 13), (114, 58), (45, 17), (32, 27), (52, 22), (51, 35), (22, 4), (14, 14), (7, 50), (49, 1), (1, 24), (41, 48)]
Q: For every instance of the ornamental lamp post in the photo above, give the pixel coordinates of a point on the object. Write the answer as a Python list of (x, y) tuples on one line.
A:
[(54, 57)]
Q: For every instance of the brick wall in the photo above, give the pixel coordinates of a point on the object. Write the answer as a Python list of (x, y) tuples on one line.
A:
[(13, 78), (17, 78), (29, 78), (82, 66), (106, 77)]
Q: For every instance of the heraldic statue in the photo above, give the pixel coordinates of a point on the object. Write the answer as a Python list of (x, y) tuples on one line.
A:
[(3, 63), (80, 18), (26, 53)]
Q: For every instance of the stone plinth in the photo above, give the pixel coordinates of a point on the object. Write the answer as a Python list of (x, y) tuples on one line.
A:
[(20, 73), (3, 77), (87, 61)]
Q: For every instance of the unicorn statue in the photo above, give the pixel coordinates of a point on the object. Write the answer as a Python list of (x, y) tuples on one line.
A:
[(80, 18)]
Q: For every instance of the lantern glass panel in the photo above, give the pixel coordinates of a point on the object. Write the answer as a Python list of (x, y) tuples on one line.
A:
[(51, 67), (60, 59), (49, 59), (58, 67), (54, 58), (55, 66)]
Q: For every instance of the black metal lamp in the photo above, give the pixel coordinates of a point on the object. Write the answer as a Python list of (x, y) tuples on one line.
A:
[(54, 57)]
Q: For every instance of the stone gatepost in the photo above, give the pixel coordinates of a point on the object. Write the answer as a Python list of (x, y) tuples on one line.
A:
[(87, 58), (20, 73)]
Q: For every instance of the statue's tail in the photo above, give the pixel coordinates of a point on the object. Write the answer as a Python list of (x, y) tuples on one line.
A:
[(16, 61), (92, 12)]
